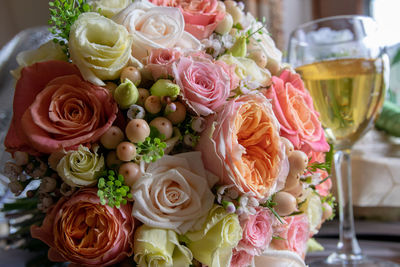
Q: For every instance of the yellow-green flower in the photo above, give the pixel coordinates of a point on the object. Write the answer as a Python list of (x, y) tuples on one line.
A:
[(246, 67), (99, 47), (159, 247), (80, 167), (213, 244), (109, 8), (312, 207)]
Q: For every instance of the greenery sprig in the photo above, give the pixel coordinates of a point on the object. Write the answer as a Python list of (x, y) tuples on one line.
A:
[(63, 13), (112, 190), (270, 205), (152, 148)]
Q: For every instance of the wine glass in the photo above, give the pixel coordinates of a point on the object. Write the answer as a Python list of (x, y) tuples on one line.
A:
[(345, 69)]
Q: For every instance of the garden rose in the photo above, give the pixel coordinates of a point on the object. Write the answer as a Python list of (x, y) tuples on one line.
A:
[(160, 61), (159, 247), (82, 231), (80, 167), (174, 193), (99, 47), (312, 207), (212, 245), (257, 232), (294, 234), (55, 109), (155, 27), (205, 86), (241, 145), (295, 112)]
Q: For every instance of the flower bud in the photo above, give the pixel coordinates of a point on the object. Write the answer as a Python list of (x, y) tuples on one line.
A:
[(239, 49), (164, 87), (136, 112), (21, 158), (126, 94)]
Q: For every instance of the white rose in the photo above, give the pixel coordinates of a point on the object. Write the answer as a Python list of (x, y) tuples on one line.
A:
[(312, 207), (155, 27), (99, 47), (47, 51), (109, 8), (174, 193)]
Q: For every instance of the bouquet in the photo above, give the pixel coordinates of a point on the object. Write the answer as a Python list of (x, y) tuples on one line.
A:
[(164, 133)]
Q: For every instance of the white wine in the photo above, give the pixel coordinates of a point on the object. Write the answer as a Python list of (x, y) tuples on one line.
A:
[(348, 94)]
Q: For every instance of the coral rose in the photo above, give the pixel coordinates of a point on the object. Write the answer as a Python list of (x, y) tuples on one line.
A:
[(55, 109), (295, 234), (205, 86), (293, 106), (201, 17), (84, 232), (241, 145)]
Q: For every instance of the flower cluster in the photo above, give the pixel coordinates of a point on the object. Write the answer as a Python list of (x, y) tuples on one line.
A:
[(170, 134)]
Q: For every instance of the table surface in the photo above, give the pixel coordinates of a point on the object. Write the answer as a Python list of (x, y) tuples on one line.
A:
[(377, 239)]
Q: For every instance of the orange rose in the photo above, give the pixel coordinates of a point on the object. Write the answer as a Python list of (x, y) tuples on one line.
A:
[(242, 146), (82, 231)]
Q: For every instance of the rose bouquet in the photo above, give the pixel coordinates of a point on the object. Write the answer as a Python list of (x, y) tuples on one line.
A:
[(164, 133)]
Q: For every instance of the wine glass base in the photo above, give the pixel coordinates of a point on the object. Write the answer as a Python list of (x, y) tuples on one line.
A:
[(343, 260)]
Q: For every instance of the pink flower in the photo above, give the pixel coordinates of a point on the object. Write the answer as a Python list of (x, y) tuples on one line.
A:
[(54, 109), (295, 234), (230, 70), (204, 85), (160, 61), (241, 145), (201, 17), (84, 232), (241, 258), (324, 188), (293, 106), (257, 232)]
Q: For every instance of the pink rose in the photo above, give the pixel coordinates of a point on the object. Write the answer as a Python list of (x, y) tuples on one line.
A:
[(241, 258), (204, 85), (160, 61), (257, 232), (230, 70), (295, 234), (293, 106), (241, 145), (324, 188), (54, 109), (84, 232), (201, 17)]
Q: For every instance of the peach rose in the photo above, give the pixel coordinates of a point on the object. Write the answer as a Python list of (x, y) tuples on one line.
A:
[(241, 145), (84, 232), (295, 234), (293, 107), (55, 109), (201, 17)]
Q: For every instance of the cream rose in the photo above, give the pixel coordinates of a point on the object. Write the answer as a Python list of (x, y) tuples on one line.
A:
[(155, 27), (247, 68), (213, 244), (109, 8), (99, 47), (80, 167), (159, 247), (174, 193)]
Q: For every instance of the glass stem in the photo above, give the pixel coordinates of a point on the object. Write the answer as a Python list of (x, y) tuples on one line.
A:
[(347, 247)]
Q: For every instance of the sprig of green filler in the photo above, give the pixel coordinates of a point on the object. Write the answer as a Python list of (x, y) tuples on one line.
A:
[(112, 190), (63, 13)]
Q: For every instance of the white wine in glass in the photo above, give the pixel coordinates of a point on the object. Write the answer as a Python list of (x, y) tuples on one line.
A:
[(345, 69)]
